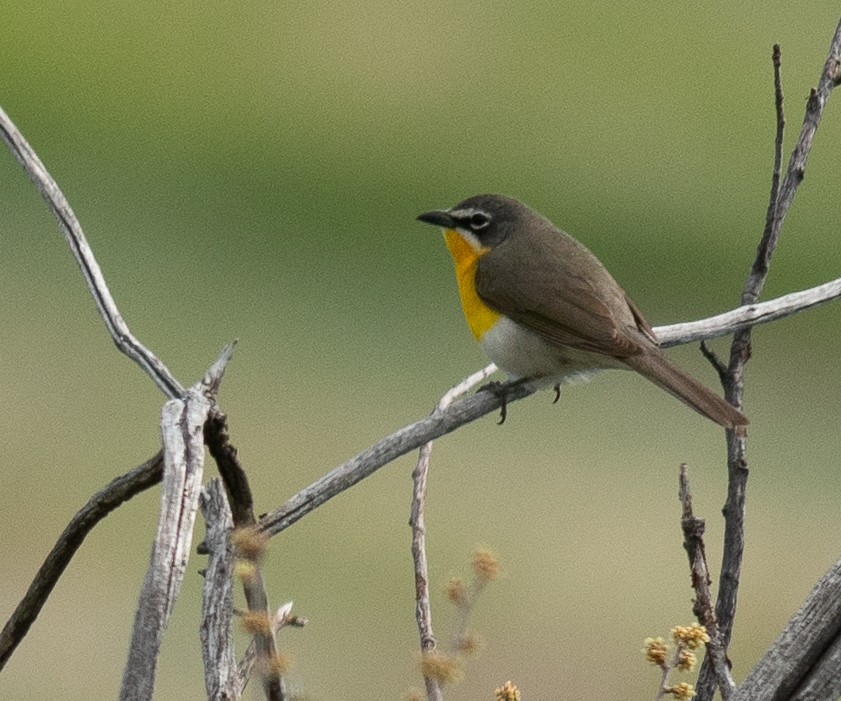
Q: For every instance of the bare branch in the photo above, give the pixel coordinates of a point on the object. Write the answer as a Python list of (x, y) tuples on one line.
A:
[(120, 333), (101, 504), (715, 361), (218, 440), (747, 316), (797, 164), (282, 618), (768, 242), (740, 350), (370, 460), (693, 543), (241, 499), (417, 521), (213, 377), (221, 678), (181, 428)]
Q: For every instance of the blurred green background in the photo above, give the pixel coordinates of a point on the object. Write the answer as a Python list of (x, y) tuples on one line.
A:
[(253, 170)]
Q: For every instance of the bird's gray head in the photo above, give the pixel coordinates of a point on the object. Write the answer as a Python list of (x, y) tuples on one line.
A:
[(484, 220)]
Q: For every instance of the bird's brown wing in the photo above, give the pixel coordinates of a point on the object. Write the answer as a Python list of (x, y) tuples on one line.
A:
[(562, 292)]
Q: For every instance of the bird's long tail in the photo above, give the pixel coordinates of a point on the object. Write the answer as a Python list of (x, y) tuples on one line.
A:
[(656, 367)]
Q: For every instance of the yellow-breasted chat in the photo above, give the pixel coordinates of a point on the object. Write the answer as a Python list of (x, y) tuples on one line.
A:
[(547, 311)]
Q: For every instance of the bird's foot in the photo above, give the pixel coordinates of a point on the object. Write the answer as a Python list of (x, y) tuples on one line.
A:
[(500, 391)]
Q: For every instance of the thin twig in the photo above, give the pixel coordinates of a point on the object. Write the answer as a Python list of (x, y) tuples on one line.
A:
[(693, 542), (770, 235), (715, 361), (417, 521), (241, 499), (665, 670), (282, 618), (101, 504), (117, 327)]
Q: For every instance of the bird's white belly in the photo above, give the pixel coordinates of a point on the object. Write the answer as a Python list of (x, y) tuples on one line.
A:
[(522, 353)]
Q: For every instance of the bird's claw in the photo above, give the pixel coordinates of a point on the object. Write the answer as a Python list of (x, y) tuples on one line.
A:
[(500, 391)]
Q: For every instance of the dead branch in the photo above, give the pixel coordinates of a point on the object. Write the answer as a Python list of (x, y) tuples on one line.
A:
[(105, 304), (747, 316), (781, 197), (693, 542), (468, 409), (239, 493), (417, 521), (181, 428), (803, 662), (221, 678), (101, 504)]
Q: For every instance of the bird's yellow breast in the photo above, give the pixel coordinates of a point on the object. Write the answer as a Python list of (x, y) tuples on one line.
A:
[(480, 317)]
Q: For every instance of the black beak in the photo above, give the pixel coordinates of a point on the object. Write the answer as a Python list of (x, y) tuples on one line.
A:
[(439, 217)]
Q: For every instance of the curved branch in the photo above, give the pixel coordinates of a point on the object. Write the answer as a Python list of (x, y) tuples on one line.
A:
[(101, 504), (105, 304), (408, 438)]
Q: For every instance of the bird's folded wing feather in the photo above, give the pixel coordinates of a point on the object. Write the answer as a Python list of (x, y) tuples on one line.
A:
[(564, 294)]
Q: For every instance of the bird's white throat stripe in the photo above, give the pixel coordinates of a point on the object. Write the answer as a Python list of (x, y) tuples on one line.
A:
[(470, 238)]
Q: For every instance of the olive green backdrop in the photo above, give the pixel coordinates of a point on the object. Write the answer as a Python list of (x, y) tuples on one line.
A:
[(253, 170)]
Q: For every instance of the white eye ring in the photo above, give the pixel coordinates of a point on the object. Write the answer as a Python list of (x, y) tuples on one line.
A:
[(479, 220)]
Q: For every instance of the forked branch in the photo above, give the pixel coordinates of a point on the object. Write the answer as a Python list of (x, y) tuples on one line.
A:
[(733, 379)]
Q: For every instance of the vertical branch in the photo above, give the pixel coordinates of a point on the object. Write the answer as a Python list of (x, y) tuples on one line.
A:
[(241, 500), (182, 424), (417, 521), (693, 542), (181, 427), (782, 195), (733, 380), (423, 611), (282, 618), (221, 678)]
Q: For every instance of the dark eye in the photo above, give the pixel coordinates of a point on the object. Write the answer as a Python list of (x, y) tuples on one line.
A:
[(479, 220)]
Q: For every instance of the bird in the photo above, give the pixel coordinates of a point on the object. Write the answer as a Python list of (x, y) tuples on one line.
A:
[(547, 311)]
